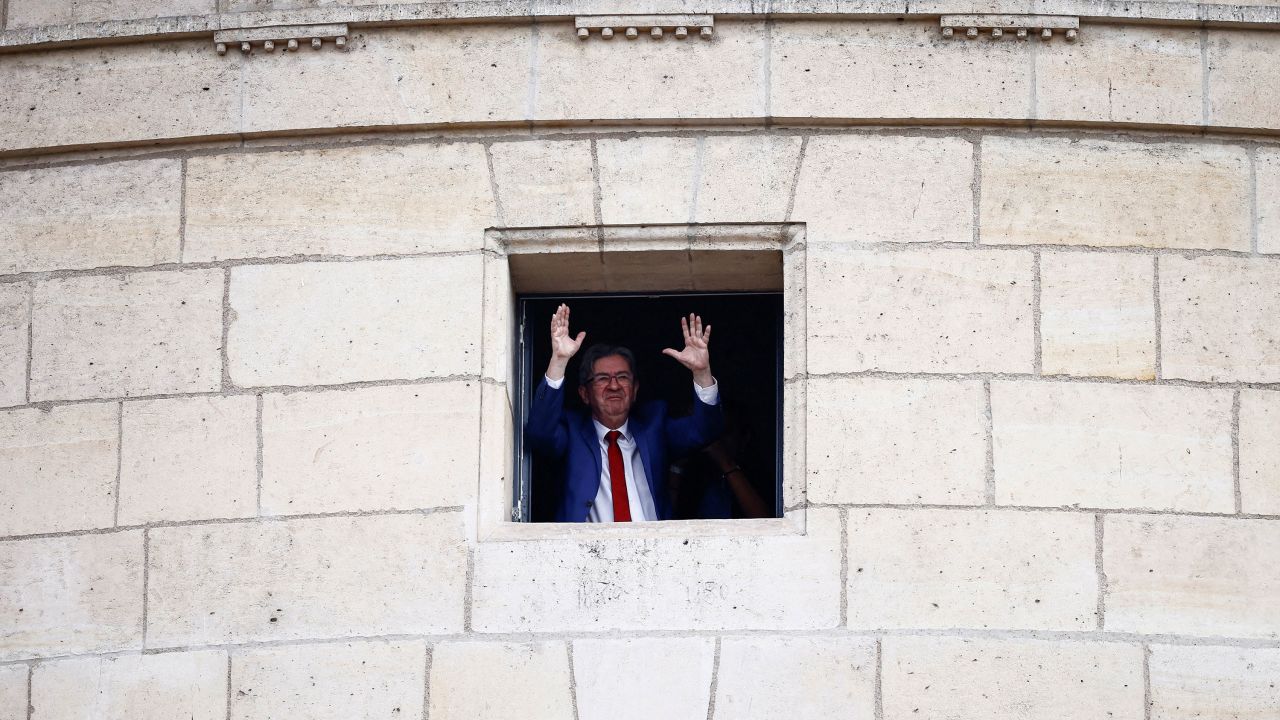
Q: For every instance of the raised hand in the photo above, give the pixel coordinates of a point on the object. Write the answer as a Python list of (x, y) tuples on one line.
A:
[(696, 355), (563, 346)]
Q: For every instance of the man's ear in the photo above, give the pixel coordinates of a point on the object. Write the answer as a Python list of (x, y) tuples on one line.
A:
[(582, 393)]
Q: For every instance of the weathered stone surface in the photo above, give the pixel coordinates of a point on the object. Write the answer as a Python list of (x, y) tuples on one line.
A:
[(29, 13), (647, 179), (1112, 446), (745, 179), (920, 311), (118, 93), (1259, 453), (1240, 61), (1214, 682), (711, 583), (144, 333), (58, 468), (1192, 575), (86, 216), (142, 687), (804, 678), (1056, 191), (70, 595), (343, 201), (1122, 73), (380, 448), (827, 69), (329, 681), (875, 188), (1097, 315), (13, 692), (544, 183), (971, 569), (936, 677), (188, 459), (1268, 197), (1217, 319), (616, 679), (896, 441), (532, 681), (15, 304), (328, 323), (313, 578)]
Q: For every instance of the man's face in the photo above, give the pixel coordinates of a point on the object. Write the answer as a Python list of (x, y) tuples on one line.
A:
[(610, 401)]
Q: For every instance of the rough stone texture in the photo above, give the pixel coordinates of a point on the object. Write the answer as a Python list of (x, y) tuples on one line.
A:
[(1268, 197), (145, 333), (1217, 318), (544, 182), (344, 201), (896, 441), (1240, 63), (118, 93), (920, 311), (15, 303), (141, 687), (647, 179), (29, 13), (13, 692), (188, 459), (381, 448), (935, 677), (803, 678), (617, 679), (871, 188), (971, 569), (69, 595), (1259, 453), (1192, 576), (1112, 446), (916, 72), (86, 216), (1058, 191), (1214, 682), (745, 179), (532, 681), (325, 577), (1097, 315), (1122, 74), (57, 468), (329, 681), (329, 323), (711, 583)]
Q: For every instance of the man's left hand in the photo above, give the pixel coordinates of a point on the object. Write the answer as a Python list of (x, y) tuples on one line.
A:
[(696, 356)]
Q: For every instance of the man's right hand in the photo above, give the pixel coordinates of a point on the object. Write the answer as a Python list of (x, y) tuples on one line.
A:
[(563, 346)]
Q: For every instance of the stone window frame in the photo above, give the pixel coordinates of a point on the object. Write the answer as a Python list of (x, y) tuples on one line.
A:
[(521, 260)]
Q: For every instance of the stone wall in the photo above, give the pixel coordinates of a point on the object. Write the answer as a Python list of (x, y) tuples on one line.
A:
[(255, 363)]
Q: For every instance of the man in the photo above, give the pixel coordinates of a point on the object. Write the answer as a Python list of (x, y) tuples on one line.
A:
[(615, 461)]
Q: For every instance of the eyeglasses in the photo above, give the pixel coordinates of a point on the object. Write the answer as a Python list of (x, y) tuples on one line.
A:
[(604, 379)]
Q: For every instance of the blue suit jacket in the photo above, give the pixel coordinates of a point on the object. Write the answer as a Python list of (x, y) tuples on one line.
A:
[(570, 437)]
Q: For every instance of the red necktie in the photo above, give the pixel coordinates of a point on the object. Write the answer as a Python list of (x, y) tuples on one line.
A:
[(618, 479)]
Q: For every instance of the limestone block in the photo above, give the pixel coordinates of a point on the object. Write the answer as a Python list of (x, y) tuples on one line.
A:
[(1098, 315), (13, 692), (709, 583), (616, 679), (543, 183), (1103, 193), (948, 311), (1226, 682), (141, 687), (1259, 453), (329, 323), (343, 201), (15, 311), (647, 179), (532, 678), (1192, 575), (86, 216), (58, 468), (896, 441), (144, 333), (936, 677), (720, 78), (379, 448), (1268, 197), (71, 594), (1112, 446), (1241, 66), (1122, 74), (188, 459), (143, 92), (876, 188), (804, 678), (410, 76), (886, 69), (329, 681), (31, 13), (745, 179), (972, 569), (312, 578), (1217, 319)]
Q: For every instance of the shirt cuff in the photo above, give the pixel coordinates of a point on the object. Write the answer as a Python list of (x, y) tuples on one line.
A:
[(708, 395), (555, 384)]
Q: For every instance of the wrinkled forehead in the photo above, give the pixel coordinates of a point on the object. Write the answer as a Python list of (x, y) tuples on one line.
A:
[(611, 364)]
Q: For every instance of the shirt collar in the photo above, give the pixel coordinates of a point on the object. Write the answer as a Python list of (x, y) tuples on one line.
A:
[(601, 430)]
